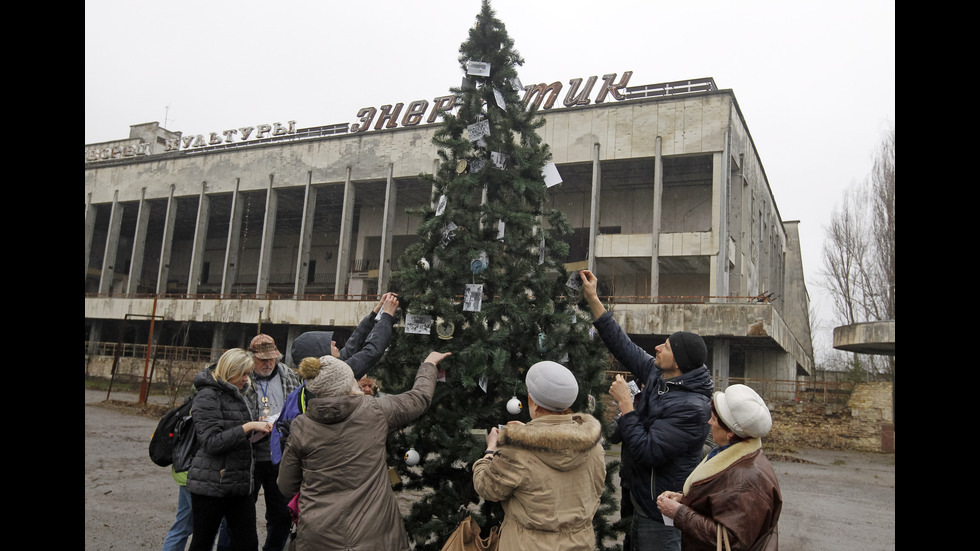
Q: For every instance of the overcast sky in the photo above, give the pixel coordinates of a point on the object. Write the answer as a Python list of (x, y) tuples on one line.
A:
[(815, 80)]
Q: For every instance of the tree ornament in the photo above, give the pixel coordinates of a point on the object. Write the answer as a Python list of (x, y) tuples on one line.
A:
[(411, 457), (514, 406), (424, 263), (445, 329)]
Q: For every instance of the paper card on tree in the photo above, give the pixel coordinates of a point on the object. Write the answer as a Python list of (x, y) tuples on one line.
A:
[(418, 324), (516, 83), (499, 160), (478, 130), (442, 205), (574, 281), (478, 68), (476, 165), (551, 176), (447, 234), (473, 298), (500, 99), (500, 229)]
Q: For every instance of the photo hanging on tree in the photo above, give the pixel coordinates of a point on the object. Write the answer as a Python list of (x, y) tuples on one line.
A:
[(473, 298), (447, 234), (478, 68), (477, 131), (442, 205), (418, 324), (551, 176)]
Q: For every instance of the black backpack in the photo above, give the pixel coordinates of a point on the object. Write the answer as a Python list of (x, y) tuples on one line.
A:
[(162, 443)]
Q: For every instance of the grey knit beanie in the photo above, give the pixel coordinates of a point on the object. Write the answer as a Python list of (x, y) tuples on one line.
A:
[(335, 378), (551, 385)]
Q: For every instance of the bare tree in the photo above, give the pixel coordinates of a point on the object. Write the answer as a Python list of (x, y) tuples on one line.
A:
[(859, 251), (883, 221)]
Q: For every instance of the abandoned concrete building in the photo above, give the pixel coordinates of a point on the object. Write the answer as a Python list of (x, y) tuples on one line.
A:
[(204, 239)]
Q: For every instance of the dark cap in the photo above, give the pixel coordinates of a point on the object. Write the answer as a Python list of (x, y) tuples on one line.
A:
[(689, 350)]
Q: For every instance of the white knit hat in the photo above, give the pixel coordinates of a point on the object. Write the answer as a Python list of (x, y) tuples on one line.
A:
[(335, 378), (551, 385), (743, 411)]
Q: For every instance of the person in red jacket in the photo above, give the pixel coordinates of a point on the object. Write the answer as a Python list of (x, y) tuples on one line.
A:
[(733, 495)]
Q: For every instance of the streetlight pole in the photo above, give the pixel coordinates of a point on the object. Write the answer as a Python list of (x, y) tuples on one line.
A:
[(259, 330)]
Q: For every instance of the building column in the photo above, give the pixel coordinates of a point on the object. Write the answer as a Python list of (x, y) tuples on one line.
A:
[(90, 214), (594, 214), (218, 340), (139, 245), (111, 246), (268, 234), (658, 196), (167, 246), (305, 237), (721, 350), (200, 240), (384, 264), (344, 244), (230, 270), (718, 264)]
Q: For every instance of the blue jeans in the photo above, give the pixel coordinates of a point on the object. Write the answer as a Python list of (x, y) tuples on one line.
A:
[(183, 525), (651, 535)]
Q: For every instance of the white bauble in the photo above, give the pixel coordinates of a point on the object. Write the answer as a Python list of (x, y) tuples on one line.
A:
[(411, 457), (514, 406)]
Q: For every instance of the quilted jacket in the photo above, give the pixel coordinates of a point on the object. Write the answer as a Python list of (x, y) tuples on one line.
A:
[(664, 436), (223, 464)]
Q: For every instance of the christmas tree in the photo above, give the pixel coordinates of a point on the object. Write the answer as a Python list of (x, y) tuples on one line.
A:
[(485, 281)]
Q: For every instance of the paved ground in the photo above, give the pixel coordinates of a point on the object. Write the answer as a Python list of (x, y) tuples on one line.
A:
[(833, 500)]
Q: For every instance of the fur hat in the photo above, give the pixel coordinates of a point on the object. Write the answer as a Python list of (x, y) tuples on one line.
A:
[(743, 411), (336, 378), (264, 347), (551, 385), (689, 350), (311, 343)]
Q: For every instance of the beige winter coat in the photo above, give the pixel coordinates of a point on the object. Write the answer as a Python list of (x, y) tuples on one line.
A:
[(548, 476), (335, 459)]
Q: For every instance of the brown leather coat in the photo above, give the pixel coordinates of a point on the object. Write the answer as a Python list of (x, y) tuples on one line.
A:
[(736, 488)]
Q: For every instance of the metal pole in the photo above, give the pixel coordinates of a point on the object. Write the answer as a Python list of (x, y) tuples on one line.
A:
[(145, 387), (259, 329)]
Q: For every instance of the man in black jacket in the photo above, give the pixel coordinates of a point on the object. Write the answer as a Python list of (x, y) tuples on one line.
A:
[(662, 437)]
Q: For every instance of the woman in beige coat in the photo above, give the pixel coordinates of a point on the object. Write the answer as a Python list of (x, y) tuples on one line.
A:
[(335, 459), (547, 474)]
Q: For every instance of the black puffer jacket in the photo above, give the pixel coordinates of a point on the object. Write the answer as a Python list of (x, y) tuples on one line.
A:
[(223, 464), (663, 437)]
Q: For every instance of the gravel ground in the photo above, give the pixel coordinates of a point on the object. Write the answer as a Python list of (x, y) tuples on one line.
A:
[(833, 500)]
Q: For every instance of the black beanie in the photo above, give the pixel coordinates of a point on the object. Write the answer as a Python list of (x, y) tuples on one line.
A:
[(689, 350), (312, 344)]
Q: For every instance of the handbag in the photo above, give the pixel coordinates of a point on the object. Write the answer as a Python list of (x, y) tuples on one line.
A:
[(722, 537), (466, 537)]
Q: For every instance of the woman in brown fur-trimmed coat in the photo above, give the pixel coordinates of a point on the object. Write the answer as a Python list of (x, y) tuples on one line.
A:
[(734, 490), (547, 474)]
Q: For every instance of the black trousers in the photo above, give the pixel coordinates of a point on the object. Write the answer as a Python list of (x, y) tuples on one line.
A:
[(277, 519), (239, 511)]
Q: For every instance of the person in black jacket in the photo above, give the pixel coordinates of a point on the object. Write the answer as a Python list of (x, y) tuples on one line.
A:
[(663, 434), (220, 477)]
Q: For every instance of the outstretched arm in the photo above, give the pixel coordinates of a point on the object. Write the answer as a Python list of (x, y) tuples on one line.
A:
[(589, 284)]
